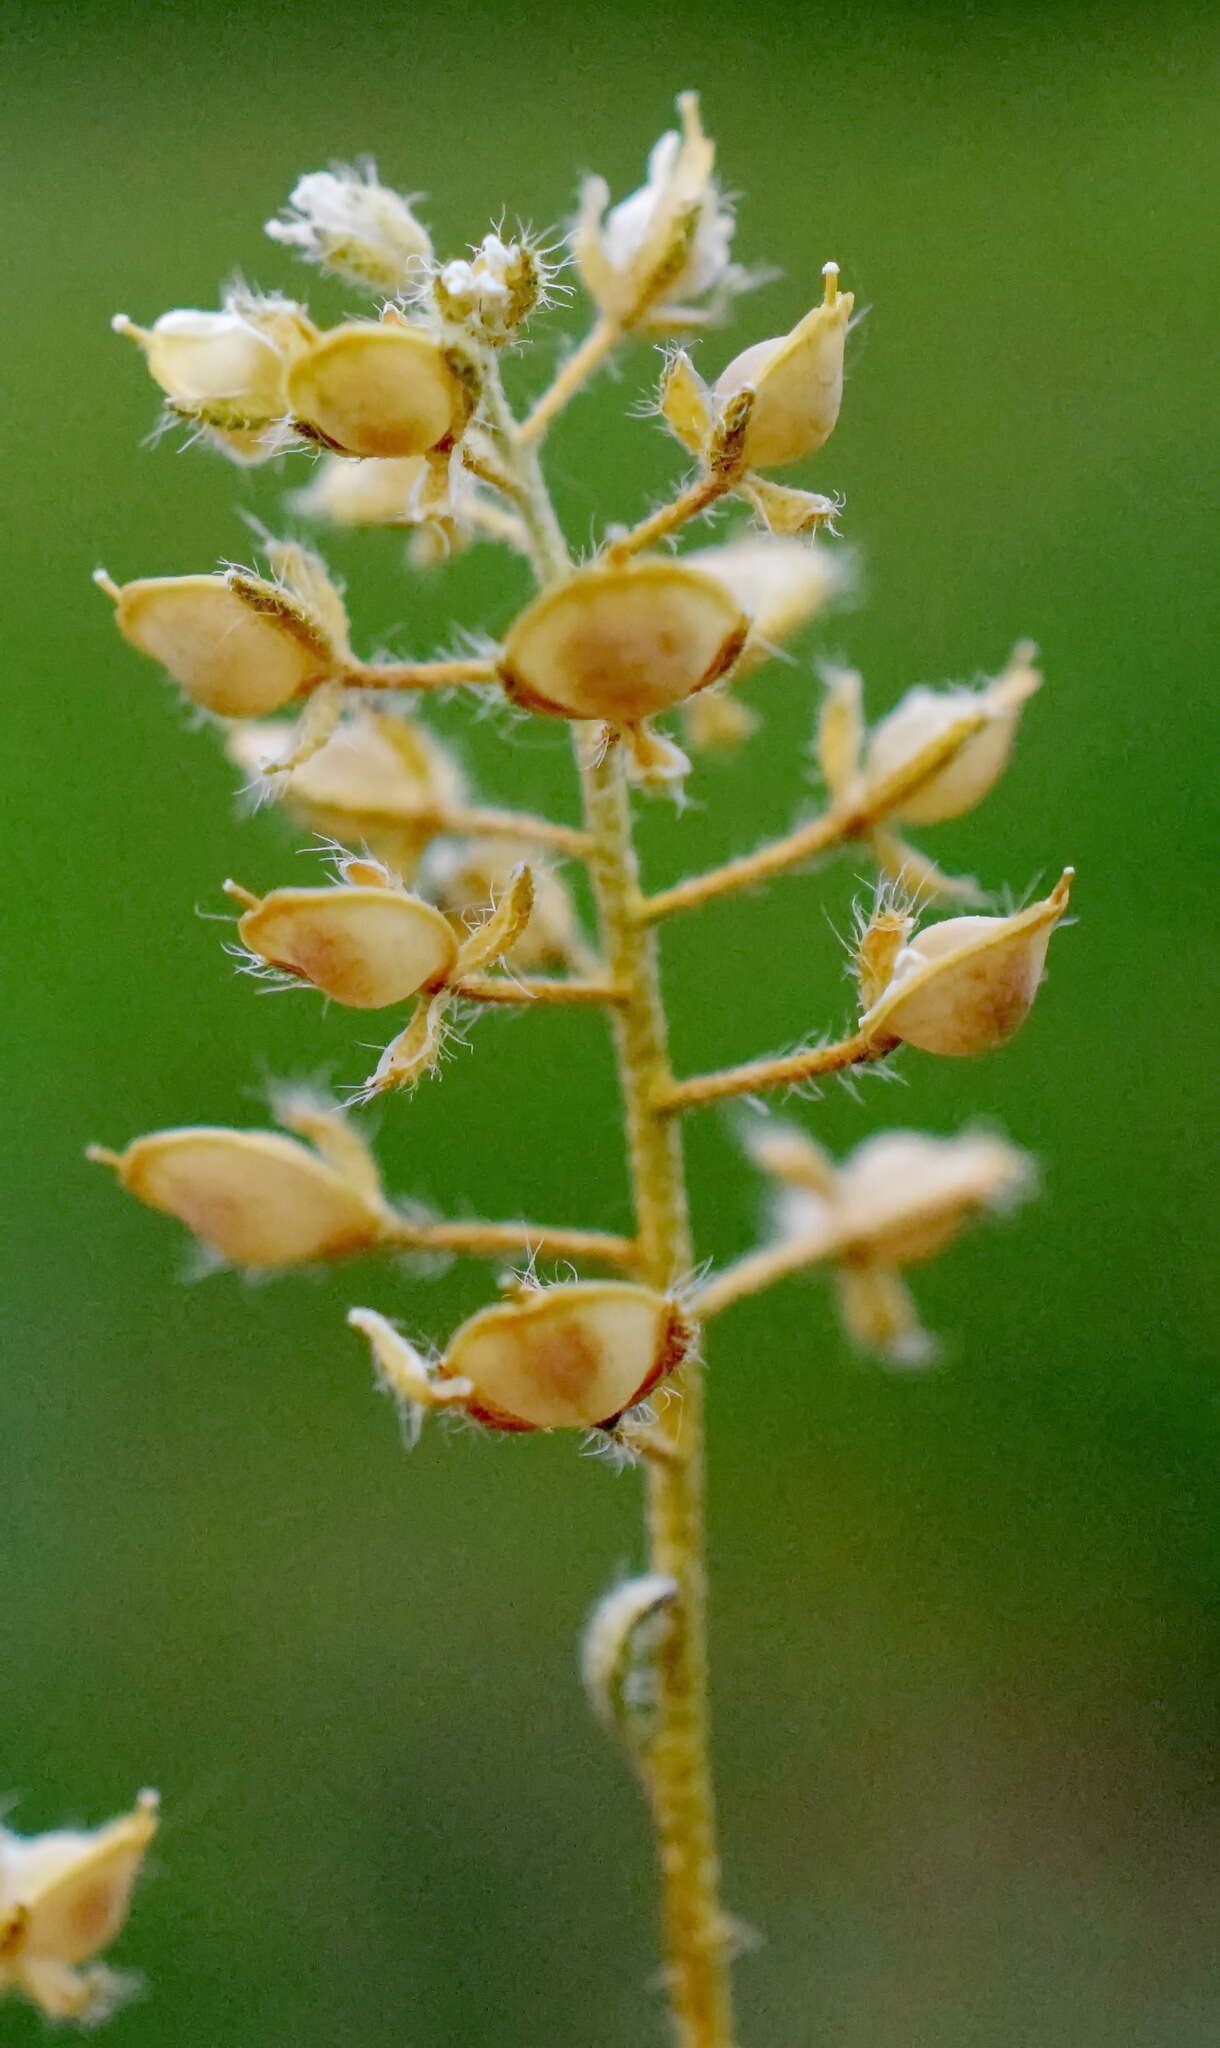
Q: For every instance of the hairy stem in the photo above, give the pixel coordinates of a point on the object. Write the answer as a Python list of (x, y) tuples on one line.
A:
[(598, 343), (680, 1776), (786, 1070), (679, 1762), (748, 869)]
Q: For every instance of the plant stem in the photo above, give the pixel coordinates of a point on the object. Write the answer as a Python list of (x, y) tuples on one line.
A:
[(679, 1761), (600, 342), (679, 1775)]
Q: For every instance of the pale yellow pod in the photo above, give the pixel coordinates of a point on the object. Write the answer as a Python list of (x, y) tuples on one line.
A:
[(966, 985), (797, 379), (381, 780), (256, 1197), (73, 1887), (568, 1357), (903, 1196), (376, 389), (213, 363), (924, 723), (622, 641), (378, 491), (366, 947), (777, 583), (240, 652)]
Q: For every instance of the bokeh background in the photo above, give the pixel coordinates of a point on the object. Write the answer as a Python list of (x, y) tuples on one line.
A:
[(964, 1621)]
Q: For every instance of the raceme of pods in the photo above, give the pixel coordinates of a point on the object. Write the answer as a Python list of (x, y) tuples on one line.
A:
[(448, 906)]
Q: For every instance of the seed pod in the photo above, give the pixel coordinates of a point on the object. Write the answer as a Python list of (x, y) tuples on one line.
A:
[(797, 380), (376, 491), (940, 751), (235, 644), (216, 364), (568, 1357), (63, 1898), (618, 1657), (382, 781), (621, 641), (373, 388), (964, 986), (256, 1197), (366, 946), (779, 584)]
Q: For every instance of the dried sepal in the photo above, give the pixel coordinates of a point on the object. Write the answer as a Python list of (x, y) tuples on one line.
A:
[(654, 762), (785, 511), (463, 876), (967, 984), (622, 641), (64, 1897), (403, 1371), (568, 1357), (667, 244), (257, 1198), (378, 388), (503, 927), (796, 381), (414, 1053), (365, 941), (236, 644), (349, 223), (685, 403), (618, 1657)]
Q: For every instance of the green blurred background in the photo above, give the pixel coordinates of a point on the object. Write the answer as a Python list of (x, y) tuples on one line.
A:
[(965, 1649)]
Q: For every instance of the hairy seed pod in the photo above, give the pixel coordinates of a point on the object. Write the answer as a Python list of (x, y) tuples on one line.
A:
[(366, 947), (256, 1197), (372, 388), (797, 381), (964, 986), (568, 1357), (236, 645), (622, 641)]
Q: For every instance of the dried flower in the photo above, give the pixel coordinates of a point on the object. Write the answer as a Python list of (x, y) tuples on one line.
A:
[(351, 224), (573, 1356), (665, 245), (257, 1198), (381, 388), (63, 1899), (496, 289), (364, 941), (622, 641), (797, 382), (237, 644), (964, 986)]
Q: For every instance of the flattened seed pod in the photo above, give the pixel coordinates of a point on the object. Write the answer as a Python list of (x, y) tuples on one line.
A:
[(373, 389), (367, 947), (966, 985), (622, 641), (568, 1357), (257, 1198), (238, 647)]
